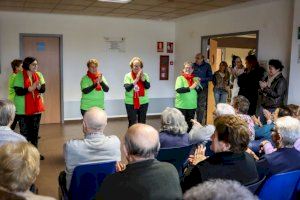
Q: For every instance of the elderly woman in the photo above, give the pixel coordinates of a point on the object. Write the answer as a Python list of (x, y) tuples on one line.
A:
[(230, 161), (93, 85), (16, 66), (7, 114), (173, 131), (273, 88), (20, 165), (136, 85), (221, 81), (249, 82), (186, 87), (241, 106), (286, 158), (29, 86)]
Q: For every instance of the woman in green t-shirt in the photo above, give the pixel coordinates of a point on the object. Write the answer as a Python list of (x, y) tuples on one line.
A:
[(93, 85), (16, 66), (136, 85), (186, 87), (29, 86)]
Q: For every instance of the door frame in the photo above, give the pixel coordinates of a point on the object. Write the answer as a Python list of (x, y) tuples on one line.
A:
[(60, 37), (205, 39)]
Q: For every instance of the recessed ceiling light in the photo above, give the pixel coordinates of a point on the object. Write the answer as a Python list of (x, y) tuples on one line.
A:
[(116, 1)]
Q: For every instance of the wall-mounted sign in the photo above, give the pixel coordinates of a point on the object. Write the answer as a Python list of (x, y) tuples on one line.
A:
[(40, 46), (160, 46), (115, 43), (170, 46), (164, 68)]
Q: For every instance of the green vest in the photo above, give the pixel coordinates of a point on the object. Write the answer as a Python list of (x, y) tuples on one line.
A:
[(93, 99), (11, 90), (20, 100), (186, 100), (129, 95)]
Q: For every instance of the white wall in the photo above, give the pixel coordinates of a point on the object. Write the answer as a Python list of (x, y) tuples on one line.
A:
[(83, 39), (271, 17), (294, 92)]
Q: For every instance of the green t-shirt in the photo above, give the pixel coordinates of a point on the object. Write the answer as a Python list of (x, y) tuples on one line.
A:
[(186, 100), (93, 99), (20, 100), (11, 90), (129, 95)]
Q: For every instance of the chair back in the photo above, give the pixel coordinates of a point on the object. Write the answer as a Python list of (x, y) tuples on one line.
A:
[(176, 156), (281, 186), (254, 187), (87, 179)]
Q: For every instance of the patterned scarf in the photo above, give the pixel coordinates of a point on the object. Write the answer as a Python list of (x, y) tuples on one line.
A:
[(139, 91)]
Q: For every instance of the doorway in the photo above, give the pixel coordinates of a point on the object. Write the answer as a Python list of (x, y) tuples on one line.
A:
[(223, 47), (47, 49)]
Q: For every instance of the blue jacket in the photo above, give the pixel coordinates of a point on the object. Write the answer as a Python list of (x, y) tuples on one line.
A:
[(204, 72)]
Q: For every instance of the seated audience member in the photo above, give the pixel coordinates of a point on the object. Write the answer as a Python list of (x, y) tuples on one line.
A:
[(286, 157), (219, 189), (94, 148), (19, 167), (7, 115), (199, 133), (144, 176), (295, 110), (230, 161), (241, 106), (173, 131)]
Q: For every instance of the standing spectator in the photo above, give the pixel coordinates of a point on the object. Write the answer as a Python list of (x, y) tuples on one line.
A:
[(203, 71), (93, 85), (272, 89), (249, 82), (16, 66), (136, 85), (221, 83), (186, 87), (236, 70)]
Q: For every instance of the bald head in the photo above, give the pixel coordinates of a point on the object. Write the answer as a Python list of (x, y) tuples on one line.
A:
[(142, 140), (95, 120)]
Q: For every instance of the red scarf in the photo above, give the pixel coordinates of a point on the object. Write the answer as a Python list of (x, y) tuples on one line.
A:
[(189, 78), (139, 93), (33, 100), (94, 77)]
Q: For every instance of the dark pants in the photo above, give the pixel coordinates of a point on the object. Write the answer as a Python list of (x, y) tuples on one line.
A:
[(202, 106), (62, 181), (188, 115), (140, 114), (14, 124), (82, 112), (29, 127)]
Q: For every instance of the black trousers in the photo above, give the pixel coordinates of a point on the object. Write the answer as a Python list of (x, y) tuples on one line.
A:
[(202, 105), (14, 124), (139, 114), (188, 115), (29, 127)]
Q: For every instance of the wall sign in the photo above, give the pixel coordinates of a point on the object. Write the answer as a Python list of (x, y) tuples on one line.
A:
[(160, 46), (170, 46), (164, 68), (40, 46)]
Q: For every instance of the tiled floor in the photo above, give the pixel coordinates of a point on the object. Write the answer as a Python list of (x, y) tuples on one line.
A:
[(51, 143)]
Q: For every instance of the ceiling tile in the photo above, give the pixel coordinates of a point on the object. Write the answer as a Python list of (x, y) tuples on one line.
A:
[(43, 1), (10, 8), (176, 5), (106, 4), (136, 6), (116, 15), (69, 7), (124, 11), (97, 10), (161, 9), (138, 16), (77, 2), (192, 1), (149, 2), (221, 3), (43, 10), (11, 3), (203, 7), (65, 11), (150, 13), (39, 5), (184, 11)]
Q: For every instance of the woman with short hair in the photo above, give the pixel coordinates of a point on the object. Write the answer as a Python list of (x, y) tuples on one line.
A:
[(20, 166), (173, 131), (136, 84), (221, 81), (186, 87), (29, 86), (93, 85), (230, 161)]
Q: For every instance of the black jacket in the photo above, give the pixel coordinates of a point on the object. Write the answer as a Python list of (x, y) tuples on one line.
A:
[(224, 165), (273, 97)]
